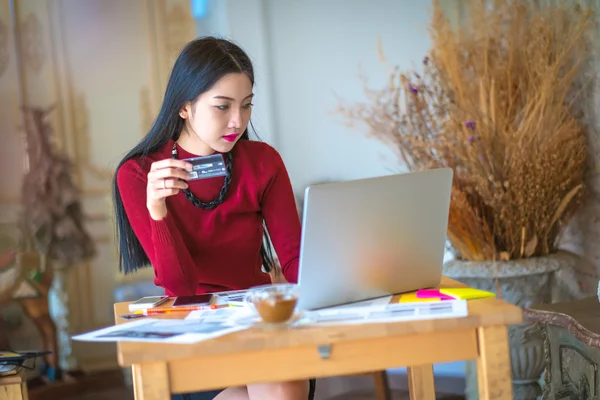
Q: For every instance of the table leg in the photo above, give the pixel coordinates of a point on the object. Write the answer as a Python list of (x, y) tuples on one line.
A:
[(137, 386), (151, 381), (382, 386), (13, 392), (13, 387), (24, 392), (420, 382), (493, 363)]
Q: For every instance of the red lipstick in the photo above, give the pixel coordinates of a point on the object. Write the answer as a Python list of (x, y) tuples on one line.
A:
[(231, 138)]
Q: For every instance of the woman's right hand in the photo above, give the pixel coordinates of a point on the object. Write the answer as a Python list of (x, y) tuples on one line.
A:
[(164, 181)]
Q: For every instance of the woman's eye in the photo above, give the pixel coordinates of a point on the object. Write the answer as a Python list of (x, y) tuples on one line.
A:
[(247, 106), (223, 108)]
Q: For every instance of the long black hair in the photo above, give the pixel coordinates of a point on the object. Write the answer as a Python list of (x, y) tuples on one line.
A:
[(201, 63)]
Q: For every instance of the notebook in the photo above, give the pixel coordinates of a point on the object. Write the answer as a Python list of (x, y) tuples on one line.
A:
[(467, 293), (412, 297), (433, 293)]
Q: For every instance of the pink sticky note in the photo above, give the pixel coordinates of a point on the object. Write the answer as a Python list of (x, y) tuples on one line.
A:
[(432, 293)]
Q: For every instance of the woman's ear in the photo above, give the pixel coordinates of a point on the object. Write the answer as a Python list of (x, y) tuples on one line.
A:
[(185, 110)]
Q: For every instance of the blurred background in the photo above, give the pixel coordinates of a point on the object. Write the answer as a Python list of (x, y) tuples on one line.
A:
[(91, 74)]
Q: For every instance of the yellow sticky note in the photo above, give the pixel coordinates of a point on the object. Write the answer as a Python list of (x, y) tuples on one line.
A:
[(467, 293), (412, 298)]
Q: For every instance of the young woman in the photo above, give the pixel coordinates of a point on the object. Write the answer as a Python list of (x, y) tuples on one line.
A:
[(209, 235)]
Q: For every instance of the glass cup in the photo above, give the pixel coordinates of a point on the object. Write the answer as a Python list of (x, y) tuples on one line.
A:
[(275, 304)]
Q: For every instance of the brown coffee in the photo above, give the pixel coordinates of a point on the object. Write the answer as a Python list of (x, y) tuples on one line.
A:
[(277, 308)]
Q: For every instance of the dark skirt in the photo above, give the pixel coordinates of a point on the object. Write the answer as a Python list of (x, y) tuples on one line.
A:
[(210, 395)]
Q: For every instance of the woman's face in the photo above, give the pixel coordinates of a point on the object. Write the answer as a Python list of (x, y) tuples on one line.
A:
[(219, 116)]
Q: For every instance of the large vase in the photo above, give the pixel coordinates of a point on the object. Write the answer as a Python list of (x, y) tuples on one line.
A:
[(561, 276)]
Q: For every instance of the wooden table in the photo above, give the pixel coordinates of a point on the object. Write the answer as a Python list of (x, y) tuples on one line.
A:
[(571, 332), (254, 356)]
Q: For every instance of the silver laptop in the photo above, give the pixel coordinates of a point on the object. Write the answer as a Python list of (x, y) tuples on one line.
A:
[(373, 237)]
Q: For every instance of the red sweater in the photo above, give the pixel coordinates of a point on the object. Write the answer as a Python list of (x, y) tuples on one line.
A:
[(194, 250)]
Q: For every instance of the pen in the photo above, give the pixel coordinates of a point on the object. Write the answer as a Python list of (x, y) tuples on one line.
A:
[(166, 310)]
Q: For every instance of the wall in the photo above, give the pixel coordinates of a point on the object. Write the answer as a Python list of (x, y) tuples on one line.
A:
[(311, 51), (317, 50)]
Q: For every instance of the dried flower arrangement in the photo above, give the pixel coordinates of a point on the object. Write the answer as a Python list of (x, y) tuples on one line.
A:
[(499, 100), (52, 213)]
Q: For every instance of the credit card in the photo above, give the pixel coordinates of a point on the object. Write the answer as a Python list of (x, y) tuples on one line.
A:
[(206, 167)]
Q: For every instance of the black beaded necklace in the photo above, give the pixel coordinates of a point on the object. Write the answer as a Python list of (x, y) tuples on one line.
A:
[(211, 204)]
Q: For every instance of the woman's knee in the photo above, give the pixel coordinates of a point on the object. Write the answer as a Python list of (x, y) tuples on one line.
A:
[(294, 390), (233, 393)]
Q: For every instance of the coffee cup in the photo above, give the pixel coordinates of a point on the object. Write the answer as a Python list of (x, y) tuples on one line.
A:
[(275, 304)]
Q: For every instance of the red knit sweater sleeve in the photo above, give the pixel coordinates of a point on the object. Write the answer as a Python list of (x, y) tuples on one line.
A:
[(161, 240), (281, 218)]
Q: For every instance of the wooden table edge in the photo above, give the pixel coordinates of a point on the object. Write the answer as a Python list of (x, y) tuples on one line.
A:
[(507, 315), (305, 362)]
